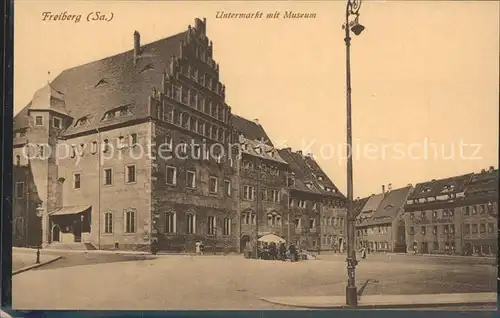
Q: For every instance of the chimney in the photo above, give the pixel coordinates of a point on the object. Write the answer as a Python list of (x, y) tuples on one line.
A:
[(491, 169), (299, 152), (483, 170), (389, 187), (256, 120), (310, 155), (383, 189), (137, 46)]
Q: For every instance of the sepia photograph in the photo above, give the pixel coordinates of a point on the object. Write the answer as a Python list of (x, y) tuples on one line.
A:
[(270, 155)]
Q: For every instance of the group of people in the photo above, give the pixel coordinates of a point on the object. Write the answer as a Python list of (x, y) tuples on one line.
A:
[(278, 251)]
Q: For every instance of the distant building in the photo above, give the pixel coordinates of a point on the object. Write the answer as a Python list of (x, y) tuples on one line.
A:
[(480, 214), (380, 227), (456, 215)]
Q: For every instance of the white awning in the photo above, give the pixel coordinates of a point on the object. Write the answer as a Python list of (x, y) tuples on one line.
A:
[(67, 210)]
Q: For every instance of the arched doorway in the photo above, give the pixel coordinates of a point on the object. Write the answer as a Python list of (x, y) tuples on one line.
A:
[(244, 242), (56, 233)]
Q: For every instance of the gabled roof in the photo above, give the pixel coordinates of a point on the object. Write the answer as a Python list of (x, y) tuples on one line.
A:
[(482, 183), (300, 175), (372, 203), (439, 187), (48, 98), (250, 129), (305, 174), (121, 83), (359, 205), (390, 206)]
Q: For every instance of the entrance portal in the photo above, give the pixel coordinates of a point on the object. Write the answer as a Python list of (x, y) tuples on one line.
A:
[(56, 233), (244, 242)]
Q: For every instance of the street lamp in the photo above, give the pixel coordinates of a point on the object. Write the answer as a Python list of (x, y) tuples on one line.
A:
[(352, 10), (39, 213)]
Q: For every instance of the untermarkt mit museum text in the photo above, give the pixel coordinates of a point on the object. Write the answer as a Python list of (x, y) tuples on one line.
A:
[(288, 14)]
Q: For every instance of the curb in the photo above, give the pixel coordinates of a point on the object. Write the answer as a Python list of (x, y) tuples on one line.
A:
[(30, 267), (384, 302)]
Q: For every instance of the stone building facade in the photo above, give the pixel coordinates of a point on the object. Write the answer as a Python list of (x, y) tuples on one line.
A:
[(455, 215), (384, 229), (140, 145)]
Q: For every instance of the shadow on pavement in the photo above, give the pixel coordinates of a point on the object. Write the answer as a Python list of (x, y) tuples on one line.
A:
[(73, 260)]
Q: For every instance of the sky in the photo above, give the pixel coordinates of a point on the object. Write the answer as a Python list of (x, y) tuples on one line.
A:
[(425, 75)]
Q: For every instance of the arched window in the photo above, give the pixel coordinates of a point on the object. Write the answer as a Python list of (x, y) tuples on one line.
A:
[(170, 222), (191, 223)]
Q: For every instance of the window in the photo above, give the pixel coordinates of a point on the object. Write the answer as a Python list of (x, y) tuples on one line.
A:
[(170, 222), (422, 215), (227, 226), (482, 209), (93, 147), (491, 227), (298, 223), (39, 121), (422, 230), (183, 147), (19, 189), (312, 223), (133, 140), (105, 145), (18, 160), (302, 204), (168, 143), (411, 215), (57, 122), (452, 228), (191, 224), (290, 181), (474, 210), (108, 176), (191, 179), (77, 181), (211, 223), (474, 228), (434, 230), (450, 213), (274, 196), (445, 213), (467, 211), (108, 223), (130, 174), (248, 192), (171, 175), (130, 221), (213, 185), (434, 214), (466, 228), (482, 228), (227, 187), (412, 231)]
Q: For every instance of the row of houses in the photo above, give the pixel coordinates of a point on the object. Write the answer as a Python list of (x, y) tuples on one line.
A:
[(115, 188), (456, 215)]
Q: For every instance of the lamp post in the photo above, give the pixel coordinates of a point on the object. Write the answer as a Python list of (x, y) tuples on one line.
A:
[(39, 213), (352, 10)]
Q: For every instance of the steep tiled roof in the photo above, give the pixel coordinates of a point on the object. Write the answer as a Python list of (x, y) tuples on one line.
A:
[(250, 129), (264, 151), (442, 186), (482, 183), (359, 205), (317, 172), (373, 202), (97, 87), (390, 206), (300, 175)]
